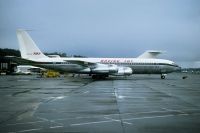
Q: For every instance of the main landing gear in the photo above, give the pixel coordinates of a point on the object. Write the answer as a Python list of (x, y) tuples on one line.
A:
[(163, 76), (99, 76)]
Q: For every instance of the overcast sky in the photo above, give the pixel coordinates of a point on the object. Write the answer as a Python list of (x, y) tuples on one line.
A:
[(106, 28)]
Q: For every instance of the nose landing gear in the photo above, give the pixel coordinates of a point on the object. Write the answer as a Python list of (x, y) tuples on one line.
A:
[(163, 76)]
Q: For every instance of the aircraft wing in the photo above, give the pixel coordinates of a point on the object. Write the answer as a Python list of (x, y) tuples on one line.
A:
[(83, 63)]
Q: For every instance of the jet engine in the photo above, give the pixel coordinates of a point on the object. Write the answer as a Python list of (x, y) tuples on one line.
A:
[(102, 69), (124, 71), (110, 69)]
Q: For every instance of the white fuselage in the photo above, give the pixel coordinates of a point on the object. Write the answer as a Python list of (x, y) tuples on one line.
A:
[(138, 66)]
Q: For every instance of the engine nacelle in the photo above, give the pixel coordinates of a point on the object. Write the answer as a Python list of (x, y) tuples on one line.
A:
[(108, 69), (124, 71)]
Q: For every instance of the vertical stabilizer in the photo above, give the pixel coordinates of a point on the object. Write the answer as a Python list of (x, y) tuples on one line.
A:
[(150, 54), (27, 46)]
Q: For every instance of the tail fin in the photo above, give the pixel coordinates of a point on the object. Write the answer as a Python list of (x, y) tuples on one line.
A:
[(27, 46), (150, 54)]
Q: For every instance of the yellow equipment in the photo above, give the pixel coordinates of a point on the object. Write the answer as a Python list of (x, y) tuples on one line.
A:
[(51, 74)]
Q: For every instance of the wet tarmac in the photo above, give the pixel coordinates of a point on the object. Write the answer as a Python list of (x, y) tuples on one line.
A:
[(139, 104)]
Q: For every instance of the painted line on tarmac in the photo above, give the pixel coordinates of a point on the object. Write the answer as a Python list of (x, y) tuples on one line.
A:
[(113, 120), (25, 123), (56, 127), (173, 110), (29, 130), (149, 117), (88, 123), (118, 120), (86, 92), (161, 111)]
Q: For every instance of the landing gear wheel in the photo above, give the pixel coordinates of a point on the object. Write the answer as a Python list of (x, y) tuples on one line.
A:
[(94, 76), (99, 76), (162, 77)]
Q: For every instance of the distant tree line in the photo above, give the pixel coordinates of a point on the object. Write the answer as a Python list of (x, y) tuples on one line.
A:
[(14, 52), (9, 52)]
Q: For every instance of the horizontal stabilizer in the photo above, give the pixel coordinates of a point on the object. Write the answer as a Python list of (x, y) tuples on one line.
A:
[(19, 61), (150, 54)]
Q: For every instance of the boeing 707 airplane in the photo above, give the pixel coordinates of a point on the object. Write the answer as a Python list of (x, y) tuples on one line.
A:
[(147, 63)]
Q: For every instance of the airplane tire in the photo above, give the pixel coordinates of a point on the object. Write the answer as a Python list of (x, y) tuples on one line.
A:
[(162, 76), (94, 76)]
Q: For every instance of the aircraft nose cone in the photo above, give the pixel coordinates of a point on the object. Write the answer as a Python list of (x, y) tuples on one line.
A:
[(178, 68)]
